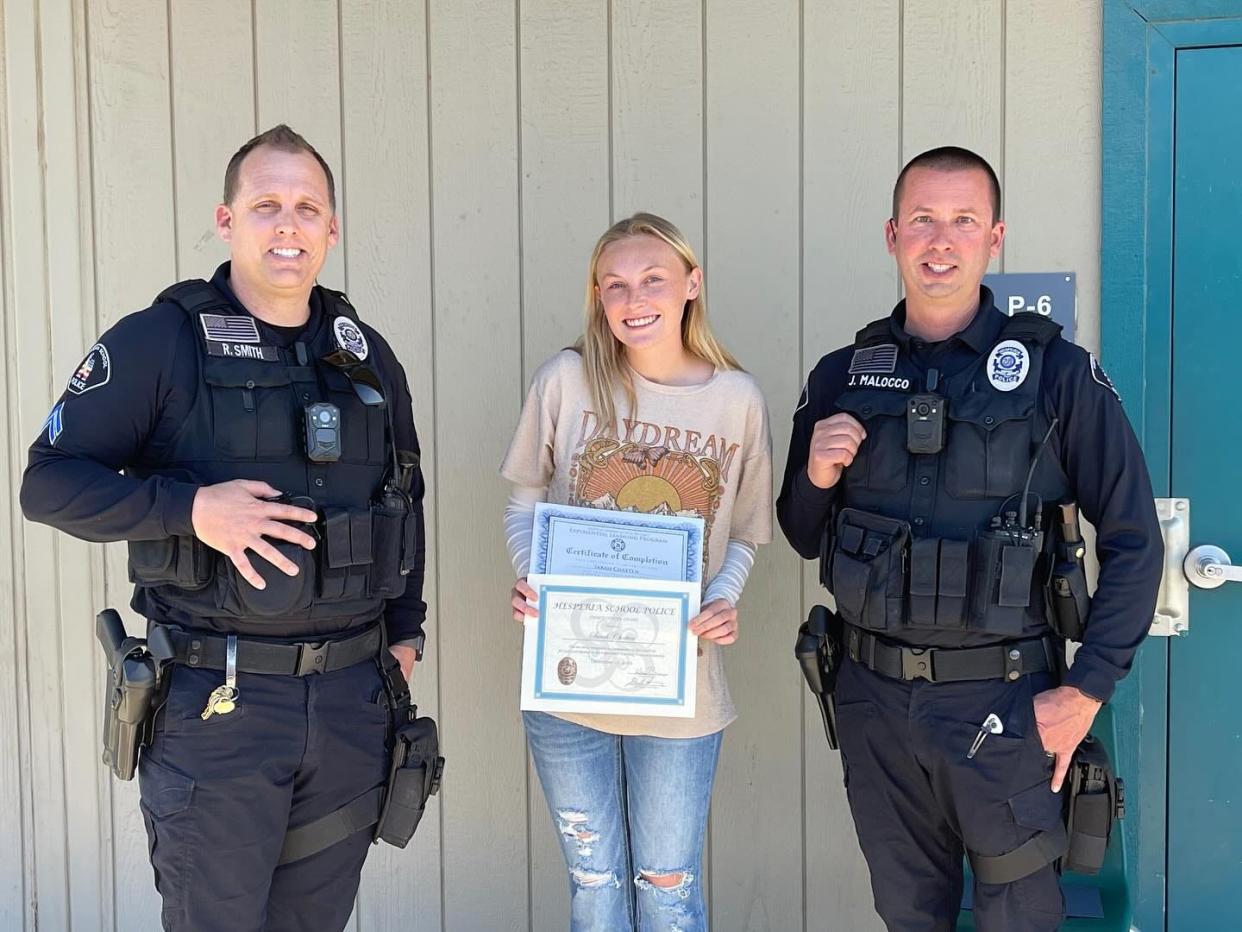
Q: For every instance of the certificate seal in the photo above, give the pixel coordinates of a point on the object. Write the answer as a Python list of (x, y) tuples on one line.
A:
[(567, 671)]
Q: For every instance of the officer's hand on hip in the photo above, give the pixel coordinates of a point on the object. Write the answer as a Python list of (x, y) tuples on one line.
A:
[(1064, 716), (834, 444), (521, 609), (716, 622), (234, 517), (406, 656)]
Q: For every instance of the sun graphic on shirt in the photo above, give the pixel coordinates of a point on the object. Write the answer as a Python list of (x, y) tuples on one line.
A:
[(647, 493), (651, 480)]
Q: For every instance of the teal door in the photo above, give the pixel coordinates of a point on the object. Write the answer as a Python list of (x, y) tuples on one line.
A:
[(1205, 457), (1171, 327)]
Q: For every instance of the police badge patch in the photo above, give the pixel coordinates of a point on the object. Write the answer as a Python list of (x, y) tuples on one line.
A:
[(349, 336), (1100, 376), (93, 372), (1008, 365)]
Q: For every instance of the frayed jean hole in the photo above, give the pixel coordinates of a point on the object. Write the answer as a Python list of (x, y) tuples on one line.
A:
[(591, 880), (572, 824), (676, 883)]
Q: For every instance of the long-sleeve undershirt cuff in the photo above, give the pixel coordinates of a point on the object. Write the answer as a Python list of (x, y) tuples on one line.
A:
[(519, 523), (731, 579)]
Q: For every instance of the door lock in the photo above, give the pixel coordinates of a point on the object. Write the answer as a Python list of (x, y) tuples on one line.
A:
[(1208, 566)]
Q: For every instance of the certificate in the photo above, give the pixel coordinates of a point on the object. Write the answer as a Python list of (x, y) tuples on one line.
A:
[(616, 646), (569, 541)]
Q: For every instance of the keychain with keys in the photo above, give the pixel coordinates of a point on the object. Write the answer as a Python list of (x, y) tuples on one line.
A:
[(223, 699), (991, 726)]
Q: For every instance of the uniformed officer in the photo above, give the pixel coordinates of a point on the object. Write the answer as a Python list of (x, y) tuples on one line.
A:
[(929, 461), (253, 440)]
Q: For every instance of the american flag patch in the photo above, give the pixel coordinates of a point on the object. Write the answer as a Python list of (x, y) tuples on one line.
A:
[(880, 360), (232, 328)]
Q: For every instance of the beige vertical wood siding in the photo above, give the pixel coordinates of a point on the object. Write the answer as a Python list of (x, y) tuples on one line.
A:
[(480, 147)]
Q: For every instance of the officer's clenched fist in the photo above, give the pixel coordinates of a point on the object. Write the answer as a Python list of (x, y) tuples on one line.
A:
[(834, 444)]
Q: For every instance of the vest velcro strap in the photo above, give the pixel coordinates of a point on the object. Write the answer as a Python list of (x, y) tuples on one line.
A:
[(924, 576), (313, 837), (951, 585), (195, 296), (1017, 570), (875, 332), (1032, 327), (1026, 859), (338, 303)]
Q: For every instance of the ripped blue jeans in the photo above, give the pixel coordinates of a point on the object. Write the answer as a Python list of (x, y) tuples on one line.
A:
[(630, 812)]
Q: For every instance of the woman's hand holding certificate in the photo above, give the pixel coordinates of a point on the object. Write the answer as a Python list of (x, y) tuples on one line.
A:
[(716, 621)]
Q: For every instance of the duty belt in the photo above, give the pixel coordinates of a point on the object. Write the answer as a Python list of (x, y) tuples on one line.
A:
[(949, 665), (299, 658)]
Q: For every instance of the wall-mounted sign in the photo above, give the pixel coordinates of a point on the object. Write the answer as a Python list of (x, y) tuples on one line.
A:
[(1052, 294)]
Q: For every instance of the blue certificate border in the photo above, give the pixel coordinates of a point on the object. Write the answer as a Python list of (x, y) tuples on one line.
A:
[(546, 590), (547, 513)]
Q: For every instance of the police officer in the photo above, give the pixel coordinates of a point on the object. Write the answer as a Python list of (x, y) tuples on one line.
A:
[(927, 468), (253, 440)]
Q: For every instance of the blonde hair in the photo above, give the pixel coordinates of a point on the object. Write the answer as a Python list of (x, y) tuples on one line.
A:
[(603, 355)]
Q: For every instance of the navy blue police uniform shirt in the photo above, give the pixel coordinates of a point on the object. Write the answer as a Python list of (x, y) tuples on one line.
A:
[(1098, 452), (74, 479)]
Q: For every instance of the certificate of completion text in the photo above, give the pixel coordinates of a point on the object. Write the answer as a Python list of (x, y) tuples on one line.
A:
[(574, 541)]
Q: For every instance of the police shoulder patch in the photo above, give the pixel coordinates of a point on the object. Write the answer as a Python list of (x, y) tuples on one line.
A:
[(93, 372), (1008, 365), (349, 336), (1100, 376)]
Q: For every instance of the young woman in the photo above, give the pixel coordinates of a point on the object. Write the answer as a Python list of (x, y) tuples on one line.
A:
[(648, 413)]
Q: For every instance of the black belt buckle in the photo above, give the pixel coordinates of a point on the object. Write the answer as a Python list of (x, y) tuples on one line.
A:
[(312, 658), (916, 663)]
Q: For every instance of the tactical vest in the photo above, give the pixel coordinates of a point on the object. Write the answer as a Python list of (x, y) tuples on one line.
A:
[(248, 422), (939, 542)]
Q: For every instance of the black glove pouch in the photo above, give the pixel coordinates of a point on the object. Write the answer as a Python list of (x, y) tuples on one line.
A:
[(413, 777), (182, 561), (283, 595), (1094, 804), (867, 571)]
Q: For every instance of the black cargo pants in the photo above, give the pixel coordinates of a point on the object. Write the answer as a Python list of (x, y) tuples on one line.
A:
[(218, 795), (917, 800)]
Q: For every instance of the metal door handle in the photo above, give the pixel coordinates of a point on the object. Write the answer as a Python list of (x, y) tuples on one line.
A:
[(1208, 566)]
